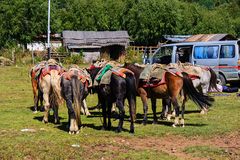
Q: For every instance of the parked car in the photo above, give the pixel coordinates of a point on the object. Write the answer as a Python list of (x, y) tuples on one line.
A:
[(222, 56)]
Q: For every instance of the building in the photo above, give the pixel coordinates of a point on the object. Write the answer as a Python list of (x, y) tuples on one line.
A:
[(40, 43), (95, 44), (210, 37)]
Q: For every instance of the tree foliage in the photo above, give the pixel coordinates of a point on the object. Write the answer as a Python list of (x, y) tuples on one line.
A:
[(145, 20)]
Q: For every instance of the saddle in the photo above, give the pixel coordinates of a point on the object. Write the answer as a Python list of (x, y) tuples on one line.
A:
[(155, 75), (104, 75), (46, 70), (81, 74)]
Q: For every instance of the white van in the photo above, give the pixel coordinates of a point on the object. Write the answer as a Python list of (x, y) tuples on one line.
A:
[(222, 56)]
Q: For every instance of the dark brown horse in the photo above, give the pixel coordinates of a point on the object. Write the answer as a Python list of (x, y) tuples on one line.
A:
[(117, 91), (171, 89), (74, 90)]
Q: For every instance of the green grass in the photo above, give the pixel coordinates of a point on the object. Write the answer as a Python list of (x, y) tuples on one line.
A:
[(207, 152), (51, 141)]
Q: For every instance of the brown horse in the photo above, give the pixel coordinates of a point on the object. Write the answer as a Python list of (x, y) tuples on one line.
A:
[(34, 74), (170, 89)]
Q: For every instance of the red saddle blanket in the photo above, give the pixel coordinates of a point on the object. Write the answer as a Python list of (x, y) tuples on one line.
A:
[(46, 70), (79, 73)]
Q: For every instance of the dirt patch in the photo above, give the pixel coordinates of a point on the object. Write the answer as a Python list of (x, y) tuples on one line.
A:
[(172, 144)]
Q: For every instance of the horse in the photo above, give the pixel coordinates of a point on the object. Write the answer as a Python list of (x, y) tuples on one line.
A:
[(173, 85), (117, 91), (49, 85), (74, 89), (203, 78), (37, 94)]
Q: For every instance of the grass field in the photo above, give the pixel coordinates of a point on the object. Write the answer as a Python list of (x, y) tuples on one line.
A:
[(215, 135)]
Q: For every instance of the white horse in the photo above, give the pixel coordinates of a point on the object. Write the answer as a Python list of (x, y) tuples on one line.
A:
[(49, 84), (203, 78)]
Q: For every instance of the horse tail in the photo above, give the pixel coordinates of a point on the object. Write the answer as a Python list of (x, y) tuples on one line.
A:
[(131, 93), (76, 86), (199, 98), (213, 80), (56, 90)]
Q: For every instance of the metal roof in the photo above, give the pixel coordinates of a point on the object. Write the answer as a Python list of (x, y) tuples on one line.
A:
[(95, 38), (210, 37)]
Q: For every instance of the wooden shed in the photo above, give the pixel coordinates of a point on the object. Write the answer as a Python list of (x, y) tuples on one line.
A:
[(95, 44)]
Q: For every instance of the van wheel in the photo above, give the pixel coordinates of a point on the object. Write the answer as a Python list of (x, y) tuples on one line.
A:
[(221, 80)]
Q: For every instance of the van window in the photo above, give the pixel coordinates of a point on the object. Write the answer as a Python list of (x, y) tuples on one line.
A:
[(163, 55), (205, 52), (183, 53), (227, 51)]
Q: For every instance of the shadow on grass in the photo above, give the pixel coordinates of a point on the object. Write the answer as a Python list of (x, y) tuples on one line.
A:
[(65, 127), (40, 108), (50, 119)]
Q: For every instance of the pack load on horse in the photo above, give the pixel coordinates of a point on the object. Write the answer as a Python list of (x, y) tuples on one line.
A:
[(35, 74), (49, 85), (203, 77), (74, 89), (114, 84), (171, 84)]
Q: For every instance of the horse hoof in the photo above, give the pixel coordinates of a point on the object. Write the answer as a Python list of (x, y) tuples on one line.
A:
[(103, 129), (154, 122), (174, 126), (57, 122), (77, 132), (131, 131), (183, 125), (35, 112), (118, 130), (44, 121)]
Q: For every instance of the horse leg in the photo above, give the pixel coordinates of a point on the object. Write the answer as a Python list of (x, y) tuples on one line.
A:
[(40, 98), (55, 113), (204, 110), (176, 108), (153, 101), (109, 111), (46, 107), (86, 111), (35, 96), (73, 127), (132, 112), (119, 104), (145, 107), (104, 112)]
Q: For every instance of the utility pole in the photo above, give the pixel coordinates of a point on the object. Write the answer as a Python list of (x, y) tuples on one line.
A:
[(48, 32)]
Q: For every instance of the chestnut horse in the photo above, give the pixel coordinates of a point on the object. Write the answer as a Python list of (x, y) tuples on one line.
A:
[(171, 89), (117, 91), (34, 74)]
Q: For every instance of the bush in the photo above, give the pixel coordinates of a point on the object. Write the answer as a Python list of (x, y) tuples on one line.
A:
[(74, 59), (133, 56)]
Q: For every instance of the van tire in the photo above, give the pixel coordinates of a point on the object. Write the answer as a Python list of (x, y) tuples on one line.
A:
[(222, 80)]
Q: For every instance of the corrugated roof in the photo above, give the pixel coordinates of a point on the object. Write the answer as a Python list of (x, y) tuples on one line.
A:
[(96, 38), (209, 37)]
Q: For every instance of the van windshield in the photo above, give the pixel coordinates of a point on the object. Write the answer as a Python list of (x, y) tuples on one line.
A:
[(163, 55)]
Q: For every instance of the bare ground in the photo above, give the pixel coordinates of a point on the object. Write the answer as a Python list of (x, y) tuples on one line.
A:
[(172, 144)]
